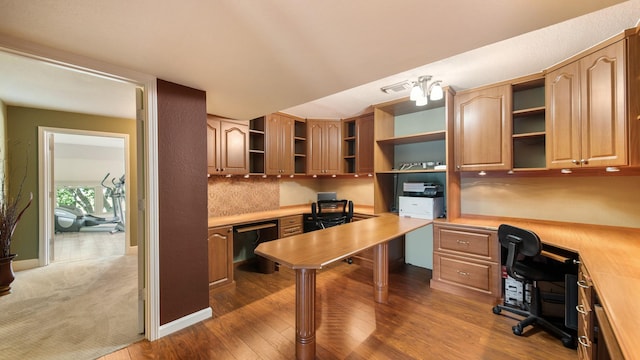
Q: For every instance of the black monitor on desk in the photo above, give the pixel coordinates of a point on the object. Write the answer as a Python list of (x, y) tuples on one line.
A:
[(327, 195)]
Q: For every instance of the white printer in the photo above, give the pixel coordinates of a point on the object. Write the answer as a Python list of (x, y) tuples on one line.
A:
[(421, 207), (424, 200)]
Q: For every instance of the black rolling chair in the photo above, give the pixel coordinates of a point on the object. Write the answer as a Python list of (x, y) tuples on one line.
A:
[(328, 213), (523, 245)]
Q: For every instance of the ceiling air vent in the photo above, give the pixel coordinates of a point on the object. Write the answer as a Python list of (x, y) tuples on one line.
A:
[(395, 88)]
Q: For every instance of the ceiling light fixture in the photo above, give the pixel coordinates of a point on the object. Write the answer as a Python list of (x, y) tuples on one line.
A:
[(422, 91)]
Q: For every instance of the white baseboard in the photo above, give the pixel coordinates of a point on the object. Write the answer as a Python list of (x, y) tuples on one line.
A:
[(25, 264), (184, 322)]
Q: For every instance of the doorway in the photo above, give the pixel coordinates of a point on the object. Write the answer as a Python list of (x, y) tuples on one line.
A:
[(87, 174), (89, 85)]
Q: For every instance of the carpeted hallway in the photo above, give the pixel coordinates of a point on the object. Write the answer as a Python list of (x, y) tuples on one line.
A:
[(74, 308)]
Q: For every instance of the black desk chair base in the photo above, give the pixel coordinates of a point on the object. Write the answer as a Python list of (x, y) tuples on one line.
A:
[(523, 246), (568, 339)]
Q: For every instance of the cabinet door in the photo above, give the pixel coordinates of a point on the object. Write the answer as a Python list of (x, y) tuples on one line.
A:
[(315, 134), (563, 117), (234, 145), (603, 107), (213, 146), (220, 243), (364, 145), (323, 147), (332, 147), (483, 129), (287, 125), (279, 145)]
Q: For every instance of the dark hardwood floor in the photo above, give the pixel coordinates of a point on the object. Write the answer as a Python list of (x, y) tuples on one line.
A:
[(256, 320)]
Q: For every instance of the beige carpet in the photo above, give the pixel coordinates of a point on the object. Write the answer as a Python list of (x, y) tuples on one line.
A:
[(71, 310)]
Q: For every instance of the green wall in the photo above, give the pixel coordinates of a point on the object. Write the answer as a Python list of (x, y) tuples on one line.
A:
[(3, 131), (22, 148)]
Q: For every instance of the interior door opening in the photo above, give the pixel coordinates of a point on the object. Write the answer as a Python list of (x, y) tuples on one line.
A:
[(85, 176)]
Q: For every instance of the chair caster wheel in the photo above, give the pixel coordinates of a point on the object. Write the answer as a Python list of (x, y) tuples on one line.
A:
[(517, 330), (496, 310), (569, 343)]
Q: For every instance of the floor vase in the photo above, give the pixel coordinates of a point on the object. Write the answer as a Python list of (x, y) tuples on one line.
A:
[(6, 274)]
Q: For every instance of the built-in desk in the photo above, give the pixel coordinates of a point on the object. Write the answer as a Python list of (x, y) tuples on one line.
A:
[(308, 252), (612, 256)]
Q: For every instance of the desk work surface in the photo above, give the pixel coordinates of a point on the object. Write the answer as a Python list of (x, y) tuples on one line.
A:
[(612, 257), (316, 249)]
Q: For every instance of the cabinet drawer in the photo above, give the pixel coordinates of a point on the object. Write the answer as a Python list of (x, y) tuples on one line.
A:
[(586, 316), (290, 231), (481, 244), (291, 220), (478, 276), (290, 225)]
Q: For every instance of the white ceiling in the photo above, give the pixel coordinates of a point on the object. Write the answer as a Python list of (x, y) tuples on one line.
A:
[(257, 57)]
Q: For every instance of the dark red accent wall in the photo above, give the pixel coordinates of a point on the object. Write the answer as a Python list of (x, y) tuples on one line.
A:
[(182, 188)]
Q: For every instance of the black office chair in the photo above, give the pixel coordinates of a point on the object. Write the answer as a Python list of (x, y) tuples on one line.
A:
[(328, 213), (522, 246)]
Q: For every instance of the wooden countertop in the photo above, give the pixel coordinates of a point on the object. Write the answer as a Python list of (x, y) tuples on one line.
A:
[(273, 214), (316, 249), (612, 256)]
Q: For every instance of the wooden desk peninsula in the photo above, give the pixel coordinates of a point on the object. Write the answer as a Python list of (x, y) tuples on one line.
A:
[(308, 252)]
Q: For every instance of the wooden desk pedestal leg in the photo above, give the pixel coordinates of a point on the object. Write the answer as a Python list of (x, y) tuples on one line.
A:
[(381, 272), (305, 314)]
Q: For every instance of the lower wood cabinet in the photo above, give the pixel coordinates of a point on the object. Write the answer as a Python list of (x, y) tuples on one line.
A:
[(466, 261), (595, 335), (289, 226), (586, 318), (220, 242)]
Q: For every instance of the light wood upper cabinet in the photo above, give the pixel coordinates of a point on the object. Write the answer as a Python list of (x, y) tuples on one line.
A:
[(323, 147), (483, 129), (285, 145), (586, 121), (279, 145), (220, 245), (227, 146)]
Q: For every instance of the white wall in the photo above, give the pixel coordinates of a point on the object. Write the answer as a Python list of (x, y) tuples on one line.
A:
[(86, 164)]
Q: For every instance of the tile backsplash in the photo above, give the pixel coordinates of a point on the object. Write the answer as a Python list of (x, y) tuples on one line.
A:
[(237, 195), (233, 196)]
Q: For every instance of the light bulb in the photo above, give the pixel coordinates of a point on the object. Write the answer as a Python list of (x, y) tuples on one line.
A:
[(422, 101), (436, 91), (416, 92)]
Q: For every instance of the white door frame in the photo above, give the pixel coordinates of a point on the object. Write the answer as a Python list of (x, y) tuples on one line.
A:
[(147, 200), (47, 192)]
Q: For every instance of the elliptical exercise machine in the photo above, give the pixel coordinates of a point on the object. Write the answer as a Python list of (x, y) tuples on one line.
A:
[(75, 220), (117, 197)]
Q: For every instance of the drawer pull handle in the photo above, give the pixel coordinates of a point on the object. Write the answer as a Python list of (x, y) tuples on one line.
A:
[(584, 341), (462, 273), (583, 284), (581, 310), (462, 242)]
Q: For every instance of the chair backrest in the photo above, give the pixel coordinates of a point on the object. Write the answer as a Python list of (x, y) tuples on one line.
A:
[(518, 241), (327, 213)]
